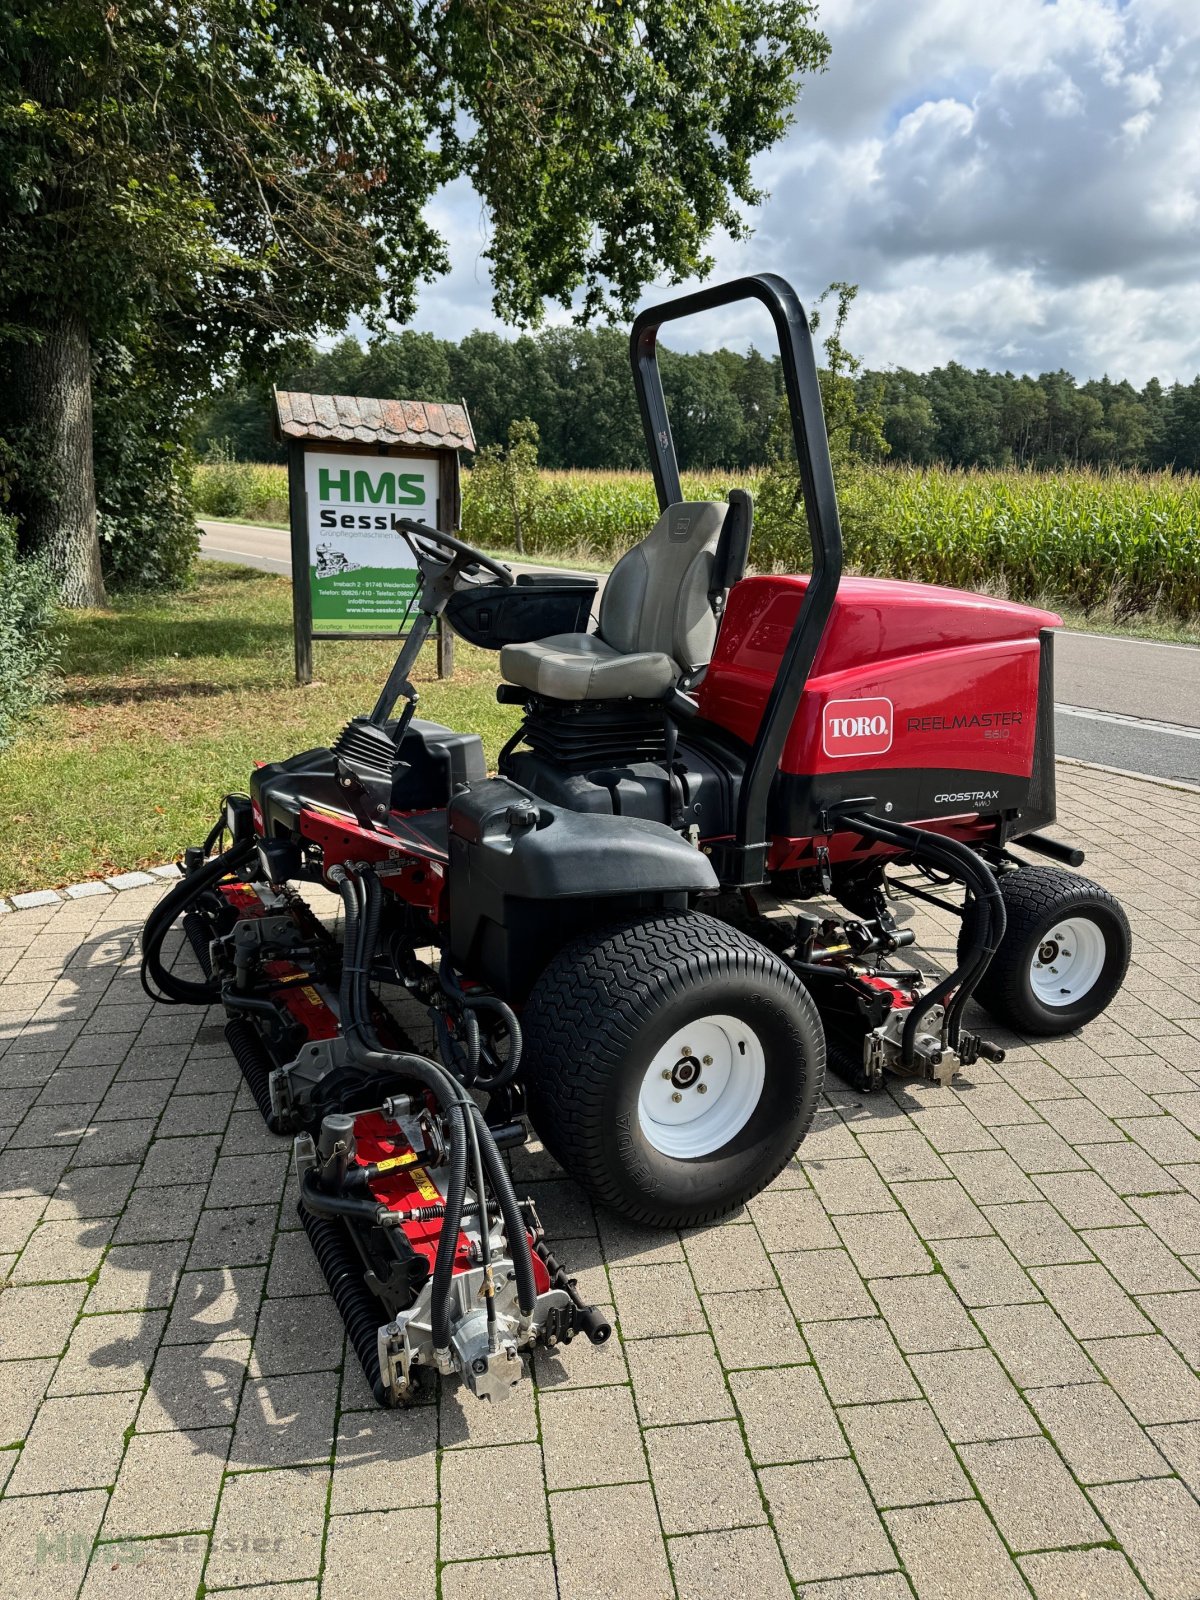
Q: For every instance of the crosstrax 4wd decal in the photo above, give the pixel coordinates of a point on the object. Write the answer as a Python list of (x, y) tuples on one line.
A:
[(967, 797), (857, 727)]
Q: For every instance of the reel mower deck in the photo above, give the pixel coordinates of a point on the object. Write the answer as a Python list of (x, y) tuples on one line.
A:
[(610, 935)]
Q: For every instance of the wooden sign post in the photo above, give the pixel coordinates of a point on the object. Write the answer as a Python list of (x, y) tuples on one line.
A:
[(356, 467)]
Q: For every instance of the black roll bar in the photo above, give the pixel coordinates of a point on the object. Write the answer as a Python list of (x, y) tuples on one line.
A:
[(820, 505)]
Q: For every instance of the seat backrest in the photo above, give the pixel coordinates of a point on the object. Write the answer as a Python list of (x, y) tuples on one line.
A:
[(658, 596)]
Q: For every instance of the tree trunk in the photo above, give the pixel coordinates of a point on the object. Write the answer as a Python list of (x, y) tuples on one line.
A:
[(58, 510)]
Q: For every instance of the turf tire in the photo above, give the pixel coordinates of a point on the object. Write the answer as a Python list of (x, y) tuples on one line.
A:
[(1035, 898), (594, 1021)]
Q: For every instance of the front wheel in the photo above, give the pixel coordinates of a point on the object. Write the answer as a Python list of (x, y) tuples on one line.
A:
[(1063, 956), (673, 1066)]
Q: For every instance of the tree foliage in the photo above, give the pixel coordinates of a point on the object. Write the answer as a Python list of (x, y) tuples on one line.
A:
[(218, 180)]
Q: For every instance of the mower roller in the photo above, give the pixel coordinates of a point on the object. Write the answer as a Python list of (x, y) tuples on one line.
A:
[(605, 933)]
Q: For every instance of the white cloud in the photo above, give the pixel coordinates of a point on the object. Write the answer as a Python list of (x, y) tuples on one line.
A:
[(1011, 182)]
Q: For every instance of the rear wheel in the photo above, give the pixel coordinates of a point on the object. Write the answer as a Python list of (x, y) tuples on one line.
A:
[(672, 1065), (1063, 956)]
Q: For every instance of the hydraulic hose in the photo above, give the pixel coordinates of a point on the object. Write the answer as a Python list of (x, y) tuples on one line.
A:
[(989, 918), (169, 989)]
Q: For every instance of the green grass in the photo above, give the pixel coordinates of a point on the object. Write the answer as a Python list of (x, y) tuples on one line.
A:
[(165, 704)]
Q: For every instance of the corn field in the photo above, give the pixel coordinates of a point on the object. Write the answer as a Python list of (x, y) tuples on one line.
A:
[(1122, 542)]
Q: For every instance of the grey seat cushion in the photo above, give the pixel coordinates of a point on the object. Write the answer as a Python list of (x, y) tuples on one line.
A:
[(656, 618), (581, 666)]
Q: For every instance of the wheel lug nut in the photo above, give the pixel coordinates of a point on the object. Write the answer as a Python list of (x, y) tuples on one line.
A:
[(702, 1088), (707, 1061), (686, 1051), (666, 1072), (677, 1097)]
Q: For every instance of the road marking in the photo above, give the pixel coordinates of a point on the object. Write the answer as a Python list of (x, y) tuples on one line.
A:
[(1142, 723), (1126, 638)]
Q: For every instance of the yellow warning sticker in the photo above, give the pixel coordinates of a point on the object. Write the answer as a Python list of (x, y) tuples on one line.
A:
[(392, 1162), (311, 995), (427, 1188)]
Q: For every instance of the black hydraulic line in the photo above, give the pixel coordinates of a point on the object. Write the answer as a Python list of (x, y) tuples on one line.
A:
[(169, 989), (514, 1223), (989, 919), (324, 1203), (343, 1273)]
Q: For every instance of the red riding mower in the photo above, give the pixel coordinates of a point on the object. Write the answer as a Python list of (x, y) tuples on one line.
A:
[(600, 933)]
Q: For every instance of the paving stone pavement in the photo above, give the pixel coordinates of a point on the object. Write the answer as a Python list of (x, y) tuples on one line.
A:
[(952, 1351)]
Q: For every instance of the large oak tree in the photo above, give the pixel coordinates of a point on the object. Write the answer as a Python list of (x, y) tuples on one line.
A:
[(220, 177)]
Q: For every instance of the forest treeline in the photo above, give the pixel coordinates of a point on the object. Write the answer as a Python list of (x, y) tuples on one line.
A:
[(575, 384)]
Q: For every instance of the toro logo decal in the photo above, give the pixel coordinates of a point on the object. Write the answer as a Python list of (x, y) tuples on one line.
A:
[(857, 727)]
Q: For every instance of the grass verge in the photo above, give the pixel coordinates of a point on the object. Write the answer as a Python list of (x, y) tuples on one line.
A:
[(165, 704)]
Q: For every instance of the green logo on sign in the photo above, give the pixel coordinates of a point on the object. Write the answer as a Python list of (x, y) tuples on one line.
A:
[(389, 489)]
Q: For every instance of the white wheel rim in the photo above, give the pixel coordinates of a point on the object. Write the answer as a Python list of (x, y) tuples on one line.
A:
[(1067, 962), (702, 1087)]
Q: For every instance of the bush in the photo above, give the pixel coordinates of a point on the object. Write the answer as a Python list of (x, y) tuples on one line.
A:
[(29, 643)]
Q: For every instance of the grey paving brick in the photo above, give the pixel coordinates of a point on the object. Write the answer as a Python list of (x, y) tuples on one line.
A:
[(590, 1437), (1096, 1435), (385, 1460), (786, 1415), (952, 1128), (1081, 1122), (849, 1186), (530, 1576), (168, 1483), (45, 1542), (18, 1219), (825, 1521), (736, 1564), (1158, 1525), (727, 1258), (626, 1245), (925, 1313), (233, 1236), (138, 1276), (91, 1192), (1139, 1260), (1179, 1442), (253, 1544), (1084, 1200), (108, 1354), (991, 1177), (493, 1502), (174, 1161), (973, 1397), (37, 1321), (188, 1114), (754, 1328), (983, 1272), (352, 1551), (286, 1421), (114, 1143), (156, 1214), (904, 1155), (952, 1552), (1034, 1345), (1038, 1148), (1178, 1316), (1175, 1218), (248, 1180), (294, 1268), (678, 1380), (146, 1569), (997, 1105), (656, 1300), (62, 1250), (884, 1245), (1090, 1301), (463, 1421), (1162, 1138), (702, 1479), (1036, 1234), (74, 1443), (829, 1139), (1117, 1097), (215, 1305), (303, 1333), (879, 1586), (192, 1386), (903, 1454), (820, 1284), (607, 1542), (859, 1362), (1150, 1377), (1078, 1574)]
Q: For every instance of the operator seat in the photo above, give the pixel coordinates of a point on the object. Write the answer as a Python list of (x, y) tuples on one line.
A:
[(658, 614)]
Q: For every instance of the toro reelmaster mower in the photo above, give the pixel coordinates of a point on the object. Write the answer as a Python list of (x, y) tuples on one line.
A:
[(604, 934)]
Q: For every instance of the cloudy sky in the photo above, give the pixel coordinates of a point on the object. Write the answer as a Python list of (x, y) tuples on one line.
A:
[(1012, 183)]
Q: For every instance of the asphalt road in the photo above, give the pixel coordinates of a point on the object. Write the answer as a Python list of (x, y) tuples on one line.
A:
[(1125, 703)]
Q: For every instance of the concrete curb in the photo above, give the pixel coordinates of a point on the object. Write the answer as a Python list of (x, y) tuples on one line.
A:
[(120, 881)]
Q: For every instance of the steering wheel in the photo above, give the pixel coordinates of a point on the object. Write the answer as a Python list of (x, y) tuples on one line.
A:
[(455, 554)]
